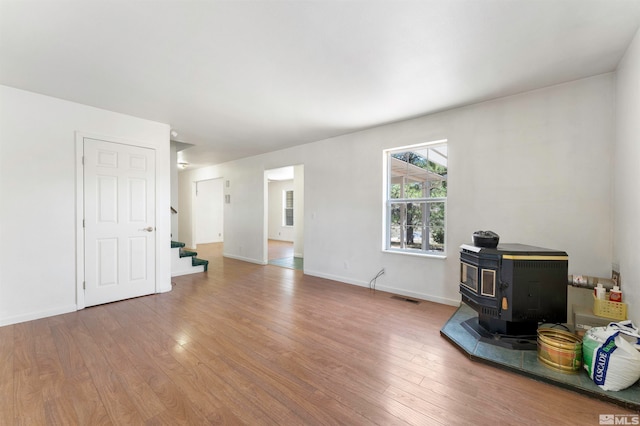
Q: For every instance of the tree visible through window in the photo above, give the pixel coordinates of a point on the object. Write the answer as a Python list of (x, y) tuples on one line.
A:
[(416, 198), (287, 208)]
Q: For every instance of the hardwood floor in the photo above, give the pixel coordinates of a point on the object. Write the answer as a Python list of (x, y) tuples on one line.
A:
[(262, 345), (280, 249), (276, 250), (211, 252)]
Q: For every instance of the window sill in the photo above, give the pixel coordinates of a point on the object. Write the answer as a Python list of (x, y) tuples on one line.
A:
[(416, 254)]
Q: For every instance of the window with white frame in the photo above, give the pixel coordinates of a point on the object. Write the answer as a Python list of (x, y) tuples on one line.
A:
[(287, 208), (416, 198)]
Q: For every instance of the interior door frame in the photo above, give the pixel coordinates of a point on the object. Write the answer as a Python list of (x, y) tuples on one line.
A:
[(79, 219), (298, 211)]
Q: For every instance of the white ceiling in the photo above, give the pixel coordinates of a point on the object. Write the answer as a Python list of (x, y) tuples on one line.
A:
[(282, 173), (239, 78)]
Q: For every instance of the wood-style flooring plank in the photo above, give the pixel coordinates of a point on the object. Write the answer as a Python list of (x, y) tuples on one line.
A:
[(263, 345), (113, 395), (60, 411), (6, 375), (81, 391), (27, 397), (177, 405)]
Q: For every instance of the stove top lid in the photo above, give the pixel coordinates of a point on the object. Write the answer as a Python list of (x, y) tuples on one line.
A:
[(515, 249)]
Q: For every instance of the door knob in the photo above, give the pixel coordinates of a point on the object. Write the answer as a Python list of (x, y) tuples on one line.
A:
[(148, 229)]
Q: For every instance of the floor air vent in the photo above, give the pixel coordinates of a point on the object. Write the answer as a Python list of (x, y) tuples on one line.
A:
[(406, 299)]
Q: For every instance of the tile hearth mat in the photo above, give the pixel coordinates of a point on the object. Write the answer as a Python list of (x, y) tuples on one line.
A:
[(288, 262), (526, 362)]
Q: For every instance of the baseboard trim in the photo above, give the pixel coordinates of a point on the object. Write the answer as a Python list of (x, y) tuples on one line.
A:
[(244, 259), (165, 289), (16, 319), (388, 289), (427, 297)]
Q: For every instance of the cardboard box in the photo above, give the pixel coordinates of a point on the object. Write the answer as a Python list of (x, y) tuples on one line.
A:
[(584, 319), (578, 296)]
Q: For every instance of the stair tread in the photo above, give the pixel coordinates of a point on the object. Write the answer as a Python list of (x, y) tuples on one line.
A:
[(197, 262), (187, 253), (175, 244)]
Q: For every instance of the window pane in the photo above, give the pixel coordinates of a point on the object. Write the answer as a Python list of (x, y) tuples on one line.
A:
[(414, 237), (436, 213), (414, 214), (436, 238), (395, 227), (436, 226), (437, 165), (415, 190), (396, 190), (437, 157), (438, 189)]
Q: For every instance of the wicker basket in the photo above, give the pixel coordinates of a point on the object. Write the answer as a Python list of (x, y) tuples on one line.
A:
[(607, 309)]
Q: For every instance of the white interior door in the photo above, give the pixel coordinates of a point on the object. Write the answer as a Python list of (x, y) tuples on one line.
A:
[(209, 209), (119, 213)]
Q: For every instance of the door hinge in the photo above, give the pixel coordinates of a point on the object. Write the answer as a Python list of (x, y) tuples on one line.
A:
[(83, 223), (83, 160), (84, 285)]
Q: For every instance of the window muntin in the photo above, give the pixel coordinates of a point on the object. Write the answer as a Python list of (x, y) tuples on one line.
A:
[(416, 198)]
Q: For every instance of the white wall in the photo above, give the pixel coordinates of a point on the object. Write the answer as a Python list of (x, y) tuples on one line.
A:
[(173, 158), (38, 198), (536, 168), (244, 216), (209, 207), (298, 210), (626, 181), (276, 230)]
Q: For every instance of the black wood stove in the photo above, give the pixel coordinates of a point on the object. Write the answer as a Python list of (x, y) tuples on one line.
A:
[(513, 287)]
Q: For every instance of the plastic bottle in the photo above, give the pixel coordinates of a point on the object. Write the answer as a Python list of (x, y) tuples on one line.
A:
[(597, 290), (615, 295)]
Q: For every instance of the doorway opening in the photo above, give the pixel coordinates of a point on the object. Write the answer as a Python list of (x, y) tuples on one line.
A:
[(208, 218), (284, 216)]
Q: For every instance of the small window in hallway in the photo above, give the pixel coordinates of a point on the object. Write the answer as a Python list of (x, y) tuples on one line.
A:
[(287, 208)]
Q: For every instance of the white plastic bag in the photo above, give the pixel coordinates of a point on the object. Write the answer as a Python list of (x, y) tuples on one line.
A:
[(612, 361), (630, 332)]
